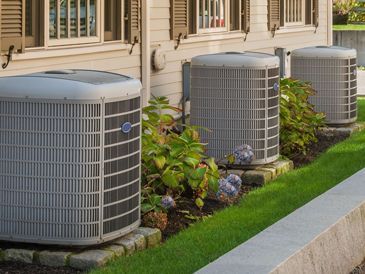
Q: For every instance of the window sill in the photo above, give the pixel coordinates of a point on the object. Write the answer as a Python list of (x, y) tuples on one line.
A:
[(51, 52), (293, 29), (214, 36)]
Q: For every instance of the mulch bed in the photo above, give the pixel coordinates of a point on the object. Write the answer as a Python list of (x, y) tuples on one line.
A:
[(326, 139), (19, 268), (187, 213)]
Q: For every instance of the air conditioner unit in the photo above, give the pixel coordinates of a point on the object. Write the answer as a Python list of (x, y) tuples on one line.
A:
[(236, 97), (332, 72), (69, 157)]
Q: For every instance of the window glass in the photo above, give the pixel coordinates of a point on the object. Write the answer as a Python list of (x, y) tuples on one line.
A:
[(212, 15), (92, 18), (73, 18), (52, 19)]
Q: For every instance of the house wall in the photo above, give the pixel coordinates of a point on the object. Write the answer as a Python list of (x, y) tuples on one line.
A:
[(112, 57), (168, 82), (115, 57)]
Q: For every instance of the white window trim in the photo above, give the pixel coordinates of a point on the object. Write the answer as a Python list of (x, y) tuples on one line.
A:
[(298, 23), (213, 30), (74, 41)]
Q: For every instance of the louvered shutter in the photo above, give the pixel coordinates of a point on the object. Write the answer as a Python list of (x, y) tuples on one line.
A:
[(179, 19), (12, 29), (245, 15), (134, 21), (315, 13), (273, 14)]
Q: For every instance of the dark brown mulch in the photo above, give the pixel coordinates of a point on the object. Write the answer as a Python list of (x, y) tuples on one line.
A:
[(187, 213), (19, 268), (326, 139)]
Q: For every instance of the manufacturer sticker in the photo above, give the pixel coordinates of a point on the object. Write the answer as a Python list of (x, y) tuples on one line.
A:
[(126, 127), (276, 87)]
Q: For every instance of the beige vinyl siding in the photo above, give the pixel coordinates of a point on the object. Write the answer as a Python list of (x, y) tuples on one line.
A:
[(118, 61), (168, 82)]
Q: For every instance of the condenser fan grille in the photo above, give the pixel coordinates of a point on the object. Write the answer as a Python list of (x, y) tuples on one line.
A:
[(238, 106), (67, 172), (335, 82)]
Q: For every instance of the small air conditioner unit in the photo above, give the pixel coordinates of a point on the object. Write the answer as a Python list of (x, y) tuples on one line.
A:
[(236, 96), (69, 157), (332, 72)]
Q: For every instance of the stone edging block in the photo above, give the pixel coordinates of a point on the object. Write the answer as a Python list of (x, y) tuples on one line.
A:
[(264, 174), (138, 240)]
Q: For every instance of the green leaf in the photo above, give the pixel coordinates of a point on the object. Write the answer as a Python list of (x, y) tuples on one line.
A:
[(199, 202), (213, 184), (145, 207), (170, 180), (160, 161), (198, 173), (191, 161)]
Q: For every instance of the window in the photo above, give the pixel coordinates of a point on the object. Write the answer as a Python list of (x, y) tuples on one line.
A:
[(212, 15), (207, 16), (297, 12), (73, 21)]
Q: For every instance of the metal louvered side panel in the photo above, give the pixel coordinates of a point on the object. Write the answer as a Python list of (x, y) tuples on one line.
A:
[(121, 205), (49, 171), (335, 82), (239, 106)]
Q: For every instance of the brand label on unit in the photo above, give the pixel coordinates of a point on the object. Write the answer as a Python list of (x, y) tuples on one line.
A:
[(126, 127), (276, 87)]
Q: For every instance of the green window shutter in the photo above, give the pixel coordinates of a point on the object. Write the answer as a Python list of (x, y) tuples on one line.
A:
[(273, 7), (245, 15), (315, 12), (179, 21), (12, 28), (134, 21)]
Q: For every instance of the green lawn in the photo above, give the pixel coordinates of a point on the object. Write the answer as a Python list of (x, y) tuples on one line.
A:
[(349, 27), (202, 243), (361, 114)]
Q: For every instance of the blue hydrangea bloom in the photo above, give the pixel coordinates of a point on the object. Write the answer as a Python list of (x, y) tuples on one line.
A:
[(235, 180), (226, 189), (244, 154), (167, 202)]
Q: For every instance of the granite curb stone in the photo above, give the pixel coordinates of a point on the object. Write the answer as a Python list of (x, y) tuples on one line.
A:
[(90, 259), (126, 245), (19, 255), (53, 258), (153, 235)]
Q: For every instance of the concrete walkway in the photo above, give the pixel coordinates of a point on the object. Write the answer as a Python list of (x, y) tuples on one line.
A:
[(327, 235)]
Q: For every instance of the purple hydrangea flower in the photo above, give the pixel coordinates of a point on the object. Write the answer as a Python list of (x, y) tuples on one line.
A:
[(244, 154), (167, 202), (226, 189), (234, 180)]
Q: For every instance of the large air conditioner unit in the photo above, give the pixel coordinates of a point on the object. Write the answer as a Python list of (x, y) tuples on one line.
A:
[(236, 97), (69, 157), (332, 73)]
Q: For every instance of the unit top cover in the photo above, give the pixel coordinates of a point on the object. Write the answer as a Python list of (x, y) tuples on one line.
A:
[(325, 52), (70, 85), (237, 59)]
